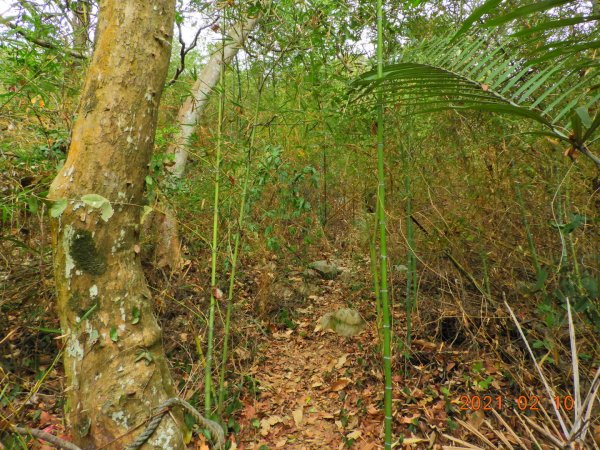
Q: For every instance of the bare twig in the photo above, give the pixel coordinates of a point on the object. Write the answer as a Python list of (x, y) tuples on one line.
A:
[(549, 391), (39, 434), (184, 50), (508, 428)]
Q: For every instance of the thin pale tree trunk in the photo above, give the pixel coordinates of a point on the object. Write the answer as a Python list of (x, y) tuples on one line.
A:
[(163, 225), (114, 360), (191, 111)]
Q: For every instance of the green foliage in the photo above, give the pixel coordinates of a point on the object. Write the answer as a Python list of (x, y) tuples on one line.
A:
[(486, 73), (114, 335), (98, 202), (449, 175), (275, 174), (285, 318)]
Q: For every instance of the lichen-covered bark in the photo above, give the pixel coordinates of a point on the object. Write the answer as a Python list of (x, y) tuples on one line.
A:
[(114, 360)]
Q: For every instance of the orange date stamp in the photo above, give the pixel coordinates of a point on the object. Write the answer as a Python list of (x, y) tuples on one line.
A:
[(522, 402)]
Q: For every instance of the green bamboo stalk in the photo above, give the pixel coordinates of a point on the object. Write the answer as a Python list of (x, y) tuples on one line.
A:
[(387, 357), (530, 242), (375, 270), (411, 273), (576, 269), (234, 260), (215, 236)]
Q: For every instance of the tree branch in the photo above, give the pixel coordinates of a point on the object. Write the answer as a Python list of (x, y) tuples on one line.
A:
[(185, 50), (40, 42)]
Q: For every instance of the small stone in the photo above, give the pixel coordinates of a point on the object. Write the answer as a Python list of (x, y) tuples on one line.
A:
[(326, 270), (345, 321)]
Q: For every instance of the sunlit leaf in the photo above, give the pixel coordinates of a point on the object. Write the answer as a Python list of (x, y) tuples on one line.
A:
[(526, 10), (58, 207), (114, 336)]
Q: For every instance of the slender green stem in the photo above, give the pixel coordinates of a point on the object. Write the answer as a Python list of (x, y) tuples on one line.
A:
[(215, 236), (531, 244), (375, 269), (411, 273), (575, 263), (411, 259), (387, 357), (324, 200), (234, 261)]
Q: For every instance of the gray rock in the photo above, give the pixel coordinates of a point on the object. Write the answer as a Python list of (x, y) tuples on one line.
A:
[(345, 321), (325, 269)]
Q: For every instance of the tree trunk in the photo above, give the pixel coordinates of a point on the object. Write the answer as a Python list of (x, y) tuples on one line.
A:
[(162, 226), (192, 109), (114, 360)]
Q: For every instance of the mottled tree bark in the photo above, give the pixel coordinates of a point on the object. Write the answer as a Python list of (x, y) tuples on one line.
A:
[(114, 360)]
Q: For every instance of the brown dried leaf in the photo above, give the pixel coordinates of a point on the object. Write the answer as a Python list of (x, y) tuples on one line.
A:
[(340, 385), (298, 416), (477, 418), (341, 361)]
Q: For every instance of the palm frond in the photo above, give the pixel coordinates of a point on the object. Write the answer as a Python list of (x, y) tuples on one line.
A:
[(543, 75)]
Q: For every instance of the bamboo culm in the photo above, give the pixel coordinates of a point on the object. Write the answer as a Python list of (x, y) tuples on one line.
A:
[(214, 252), (383, 291)]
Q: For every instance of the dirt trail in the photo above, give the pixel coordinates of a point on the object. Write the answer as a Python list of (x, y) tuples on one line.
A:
[(308, 395)]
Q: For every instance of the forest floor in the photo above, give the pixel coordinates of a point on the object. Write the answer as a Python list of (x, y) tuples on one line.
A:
[(318, 390), (312, 392), (462, 385)]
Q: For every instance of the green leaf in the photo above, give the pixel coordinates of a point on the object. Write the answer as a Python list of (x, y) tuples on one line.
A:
[(583, 114), (540, 281), (89, 312), (577, 221), (114, 336), (564, 48), (553, 24), (99, 202), (188, 419), (106, 212), (486, 8), (149, 180), (94, 200), (136, 315), (58, 207), (178, 18), (538, 344), (146, 356), (525, 11), (593, 127), (577, 127), (32, 204), (478, 367)]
